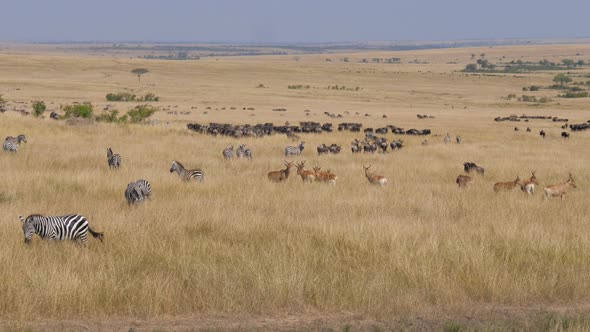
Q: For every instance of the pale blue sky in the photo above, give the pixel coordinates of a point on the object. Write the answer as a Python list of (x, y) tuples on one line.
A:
[(290, 21)]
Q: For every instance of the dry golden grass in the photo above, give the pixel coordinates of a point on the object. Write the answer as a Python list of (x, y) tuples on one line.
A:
[(238, 244)]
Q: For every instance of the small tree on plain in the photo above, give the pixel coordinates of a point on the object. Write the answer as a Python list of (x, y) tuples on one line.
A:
[(38, 108), (139, 72), (562, 79)]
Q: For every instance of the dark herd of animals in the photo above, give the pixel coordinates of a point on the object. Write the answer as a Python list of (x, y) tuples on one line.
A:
[(266, 129)]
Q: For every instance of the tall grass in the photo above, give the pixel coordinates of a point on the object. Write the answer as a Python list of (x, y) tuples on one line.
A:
[(240, 244)]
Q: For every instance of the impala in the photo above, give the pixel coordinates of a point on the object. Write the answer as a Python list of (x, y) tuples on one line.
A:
[(327, 176), (529, 186), (282, 175), (560, 189), (507, 185), (374, 178), (306, 175)]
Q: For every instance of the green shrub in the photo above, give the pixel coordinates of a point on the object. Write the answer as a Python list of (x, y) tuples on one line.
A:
[(123, 96), (150, 97), (38, 108), (574, 95), (111, 117), (140, 113), (78, 111)]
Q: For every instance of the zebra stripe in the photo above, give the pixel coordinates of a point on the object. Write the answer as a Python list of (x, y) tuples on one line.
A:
[(69, 227), (241, 151), (11, 143), (113, 159), (294, 150), (187, 174), (228, 153), (138, 191), (248, 153)]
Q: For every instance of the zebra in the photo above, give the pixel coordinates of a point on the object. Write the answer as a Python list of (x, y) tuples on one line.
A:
[(294, 150), (11, 143), (459, 139), (187, 174), (138, 191), (228, 153), (113, 159), (68, 227), (248, 153), (447, 139), (241, 151)]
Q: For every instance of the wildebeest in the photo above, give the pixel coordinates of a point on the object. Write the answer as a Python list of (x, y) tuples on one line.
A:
[(542, 133), (469, 167), (565, 134)]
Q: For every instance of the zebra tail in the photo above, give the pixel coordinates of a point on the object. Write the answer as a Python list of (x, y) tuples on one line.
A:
[(97, 235)]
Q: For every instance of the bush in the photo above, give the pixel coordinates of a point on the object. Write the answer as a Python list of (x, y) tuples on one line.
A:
[(38, 108), (534, 88), (78, 111), (111, 117), (140, 113), (3, 103), (126, 96), (123, 96), (574, 95)]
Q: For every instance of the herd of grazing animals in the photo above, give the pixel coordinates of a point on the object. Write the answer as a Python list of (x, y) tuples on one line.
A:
[(75, 227)]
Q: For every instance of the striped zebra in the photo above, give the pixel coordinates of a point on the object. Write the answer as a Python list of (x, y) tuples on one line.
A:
[(228, 153), (11, 143), (113, 159), (248, 153), (459, 140), (447, 139), (138, 191), (294, 150), (241, 151), (68, 227), (187, 174)]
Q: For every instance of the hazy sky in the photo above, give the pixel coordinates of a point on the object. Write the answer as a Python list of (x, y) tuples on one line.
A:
[(290, 21)]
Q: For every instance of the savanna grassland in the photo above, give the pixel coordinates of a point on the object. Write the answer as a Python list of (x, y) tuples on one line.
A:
[(239, 252)]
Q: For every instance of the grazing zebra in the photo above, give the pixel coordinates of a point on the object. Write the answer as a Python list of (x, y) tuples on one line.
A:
[(248, 153), (228, 153), (11, 143), (294, 150), (459, 139), (241, 151), (68, 227), (138, 191), (447, 139), (113, 159), (187, 174)]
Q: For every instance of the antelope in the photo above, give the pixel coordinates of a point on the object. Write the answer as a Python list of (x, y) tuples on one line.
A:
[(529, 186), (282, 175), (373, 178), (559, 189), (464, 180), (306, 175), (507, 185), (327, 176)]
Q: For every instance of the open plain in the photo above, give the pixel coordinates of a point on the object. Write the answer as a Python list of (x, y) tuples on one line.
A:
[(239, 252)]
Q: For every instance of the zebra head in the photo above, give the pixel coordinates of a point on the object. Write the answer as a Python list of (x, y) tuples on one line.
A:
[(21, 138), (109, 152), (28, 228), (176, 167)]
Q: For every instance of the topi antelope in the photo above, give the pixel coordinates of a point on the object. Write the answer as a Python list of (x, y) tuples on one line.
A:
[(559, 189), (529, 185), (282, 175), (464, 180), (327, 177), (374, 178), (507, 185), (306, 175)]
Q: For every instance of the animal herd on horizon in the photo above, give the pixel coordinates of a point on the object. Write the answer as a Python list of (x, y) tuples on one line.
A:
[(75, 226)]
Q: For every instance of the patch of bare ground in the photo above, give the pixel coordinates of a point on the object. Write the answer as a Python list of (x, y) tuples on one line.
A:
[(534, 318)]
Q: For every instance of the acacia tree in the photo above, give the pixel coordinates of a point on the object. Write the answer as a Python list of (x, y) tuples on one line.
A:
[(139, 72), (562, 79)]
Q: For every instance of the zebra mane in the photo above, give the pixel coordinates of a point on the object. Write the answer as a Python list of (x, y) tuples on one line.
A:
[(179, 164), (34, 216)]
